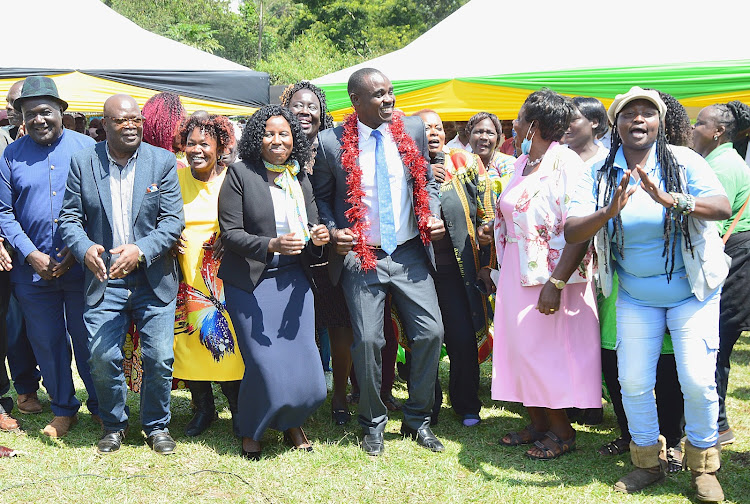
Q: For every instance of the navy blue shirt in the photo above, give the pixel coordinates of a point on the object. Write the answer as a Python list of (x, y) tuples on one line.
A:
[(32, 186)]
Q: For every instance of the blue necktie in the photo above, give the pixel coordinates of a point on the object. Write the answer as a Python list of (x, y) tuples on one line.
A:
[(385, 204)]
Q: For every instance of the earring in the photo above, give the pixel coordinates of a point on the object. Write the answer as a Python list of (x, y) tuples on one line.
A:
[(716, 136)]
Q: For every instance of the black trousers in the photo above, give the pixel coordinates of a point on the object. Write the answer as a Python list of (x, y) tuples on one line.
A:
[(734, 315), (6, 403), (670, 405), (460, 340)]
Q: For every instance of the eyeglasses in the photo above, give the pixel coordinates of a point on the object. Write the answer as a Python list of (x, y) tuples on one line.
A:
[(122, 121)]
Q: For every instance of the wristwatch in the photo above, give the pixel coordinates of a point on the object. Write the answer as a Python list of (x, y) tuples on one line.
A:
[(557, 283)]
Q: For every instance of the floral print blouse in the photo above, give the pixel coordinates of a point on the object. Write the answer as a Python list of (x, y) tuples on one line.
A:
[(539, 216)]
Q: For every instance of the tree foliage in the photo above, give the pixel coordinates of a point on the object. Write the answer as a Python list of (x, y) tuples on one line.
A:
[(290, 39)]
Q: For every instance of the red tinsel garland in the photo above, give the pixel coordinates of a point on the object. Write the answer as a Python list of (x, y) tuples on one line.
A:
[(414, 162)]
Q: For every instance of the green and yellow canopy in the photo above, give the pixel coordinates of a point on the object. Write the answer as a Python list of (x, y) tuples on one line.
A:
[(490, 55)]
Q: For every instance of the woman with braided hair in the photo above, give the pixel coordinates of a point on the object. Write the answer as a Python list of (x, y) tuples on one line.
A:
[(742, 134), (307, 102), (162, 115), (713, 132), (648, 207)]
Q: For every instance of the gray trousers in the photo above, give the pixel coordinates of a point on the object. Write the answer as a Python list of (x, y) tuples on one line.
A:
[(406, 275)]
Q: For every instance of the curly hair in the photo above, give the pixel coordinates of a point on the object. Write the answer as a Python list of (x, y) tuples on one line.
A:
[(252, 137), (481, 116), (677, 126), (326, 120), (593, 110), (162, 115), (551, 111), (217, 127)]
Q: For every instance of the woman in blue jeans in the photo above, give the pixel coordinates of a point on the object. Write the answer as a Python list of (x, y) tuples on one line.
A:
[(649, 205)]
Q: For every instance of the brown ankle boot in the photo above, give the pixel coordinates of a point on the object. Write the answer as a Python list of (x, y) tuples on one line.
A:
[(703, 465), (650, 468)]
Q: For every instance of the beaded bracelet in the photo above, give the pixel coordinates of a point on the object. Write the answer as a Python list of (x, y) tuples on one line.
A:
[(682, 203)]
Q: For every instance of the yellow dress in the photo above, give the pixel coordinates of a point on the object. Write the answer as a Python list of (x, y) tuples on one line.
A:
[(205, 346)]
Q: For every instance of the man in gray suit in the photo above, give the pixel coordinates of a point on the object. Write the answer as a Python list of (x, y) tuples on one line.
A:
[(376, 193), (121, 215)]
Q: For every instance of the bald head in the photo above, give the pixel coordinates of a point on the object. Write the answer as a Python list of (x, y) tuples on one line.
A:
[(14, 92), (119, 101), (123, 124)]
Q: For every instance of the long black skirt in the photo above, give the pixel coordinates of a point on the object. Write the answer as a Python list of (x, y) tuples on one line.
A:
[(275, 324)]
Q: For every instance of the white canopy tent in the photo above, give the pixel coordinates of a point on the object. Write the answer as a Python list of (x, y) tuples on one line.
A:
[(122, 58), (490, 54)]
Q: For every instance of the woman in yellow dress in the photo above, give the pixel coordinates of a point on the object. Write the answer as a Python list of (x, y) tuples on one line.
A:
[(205, 346)]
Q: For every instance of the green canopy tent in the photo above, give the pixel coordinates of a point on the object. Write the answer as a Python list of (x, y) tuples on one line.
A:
[(490, 54)]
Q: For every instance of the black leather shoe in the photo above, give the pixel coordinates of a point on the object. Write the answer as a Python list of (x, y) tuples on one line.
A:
[(110, 442), (341, 416), (373, 444), (162, 443), (424, 437)]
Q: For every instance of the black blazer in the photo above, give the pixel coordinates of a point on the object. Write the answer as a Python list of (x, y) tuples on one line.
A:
[(247, 222)]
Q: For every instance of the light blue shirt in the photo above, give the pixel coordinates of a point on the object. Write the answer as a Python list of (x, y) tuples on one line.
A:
[(641, 266)]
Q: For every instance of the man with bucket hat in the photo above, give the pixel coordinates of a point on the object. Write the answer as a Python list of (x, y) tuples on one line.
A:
[(45, 276)]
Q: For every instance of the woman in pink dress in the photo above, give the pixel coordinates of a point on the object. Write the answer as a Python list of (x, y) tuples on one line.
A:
[(546, 350)]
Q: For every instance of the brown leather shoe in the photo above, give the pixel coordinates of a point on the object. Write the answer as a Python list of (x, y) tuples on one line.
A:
[(59, 426), (29, 404), (8, 423)]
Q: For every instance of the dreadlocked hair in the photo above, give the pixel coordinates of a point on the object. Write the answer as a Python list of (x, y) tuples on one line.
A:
[(673, 179), (217, 127), (162, 115), (326, 120)]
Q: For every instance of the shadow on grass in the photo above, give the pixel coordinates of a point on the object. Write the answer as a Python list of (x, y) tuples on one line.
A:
[(740, 392)]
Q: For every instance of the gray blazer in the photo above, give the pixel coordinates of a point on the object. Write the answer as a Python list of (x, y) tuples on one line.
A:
[(86, 215), (329, 184)]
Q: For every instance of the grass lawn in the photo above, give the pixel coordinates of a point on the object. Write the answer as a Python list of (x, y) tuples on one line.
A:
[(474, 467)]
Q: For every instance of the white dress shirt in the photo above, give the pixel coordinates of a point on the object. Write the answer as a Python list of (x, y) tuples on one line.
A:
[(456, 144), (121, 180), (403, 208)]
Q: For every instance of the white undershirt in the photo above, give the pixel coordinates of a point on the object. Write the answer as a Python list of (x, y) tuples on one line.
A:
[(403, 210)]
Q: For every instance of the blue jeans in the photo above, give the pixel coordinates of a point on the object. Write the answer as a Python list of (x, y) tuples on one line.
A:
[(54, 319), (126, 299), (694, 326)]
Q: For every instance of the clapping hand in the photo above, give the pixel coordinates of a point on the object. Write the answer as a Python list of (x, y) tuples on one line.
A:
[(287, 244), (484, 234), (63, 266), (319, 235), (343, 240), (437, 228), (661, 197), (621, 196), (127, 261), (94, 262)]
